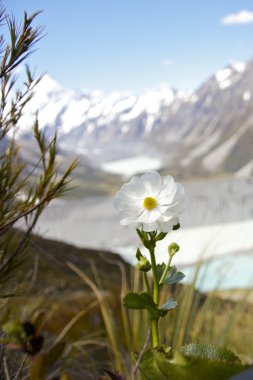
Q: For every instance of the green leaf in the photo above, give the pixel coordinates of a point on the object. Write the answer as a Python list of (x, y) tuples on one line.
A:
[(168, 305), (209, 351), (173, 277), (157, 365), (142, 301), (145, 301), (161, 236), (138, 254), (160, 268), (176, 227), (139, 232)]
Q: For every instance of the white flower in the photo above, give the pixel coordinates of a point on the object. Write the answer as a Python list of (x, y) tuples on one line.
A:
[(150, 202)]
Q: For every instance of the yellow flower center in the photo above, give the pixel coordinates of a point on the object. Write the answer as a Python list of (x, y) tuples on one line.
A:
[(149, 203)]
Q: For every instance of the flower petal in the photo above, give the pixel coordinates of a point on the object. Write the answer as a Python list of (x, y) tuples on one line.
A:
[(135, 188), (178, 205), (144, 216), (166, 218), (150, 227), (167, 226), (162, 208), (123, 200), (132, 224), (168, 187), (150, 216), (152, 182)]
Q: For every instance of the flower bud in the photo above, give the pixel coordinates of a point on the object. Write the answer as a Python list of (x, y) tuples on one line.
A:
[(143, 263), (173, 249)]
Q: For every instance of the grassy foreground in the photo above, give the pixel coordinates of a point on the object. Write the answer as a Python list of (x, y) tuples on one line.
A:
[(78, 292)]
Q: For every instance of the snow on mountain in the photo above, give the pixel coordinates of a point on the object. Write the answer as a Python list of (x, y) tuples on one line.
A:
[(98, 126), (206, 132), (215, 134), (69, 109), (222, 77)]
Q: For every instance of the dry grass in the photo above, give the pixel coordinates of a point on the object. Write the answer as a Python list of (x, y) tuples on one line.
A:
[(83, 305)]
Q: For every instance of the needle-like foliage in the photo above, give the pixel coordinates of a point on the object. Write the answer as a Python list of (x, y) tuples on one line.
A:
[(24, 191)]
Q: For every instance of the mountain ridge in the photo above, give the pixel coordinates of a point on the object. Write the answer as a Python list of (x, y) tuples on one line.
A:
[(203, 133)]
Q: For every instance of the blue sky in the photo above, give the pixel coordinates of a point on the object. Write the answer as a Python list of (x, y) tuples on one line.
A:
[(137, 45)]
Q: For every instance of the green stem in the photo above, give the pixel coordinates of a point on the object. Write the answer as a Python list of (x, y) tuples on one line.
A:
[(155, 277), (166, 270), (147, 282), (154, 322), (155, 332)]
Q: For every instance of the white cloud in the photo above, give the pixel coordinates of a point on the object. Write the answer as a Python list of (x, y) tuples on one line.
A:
[(167, 62), (242, 17)]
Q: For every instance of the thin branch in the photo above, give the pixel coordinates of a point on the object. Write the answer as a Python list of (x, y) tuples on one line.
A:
[(142, 353)]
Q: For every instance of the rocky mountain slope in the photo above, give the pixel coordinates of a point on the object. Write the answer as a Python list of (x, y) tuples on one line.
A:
[(215, 134), (208, 132)]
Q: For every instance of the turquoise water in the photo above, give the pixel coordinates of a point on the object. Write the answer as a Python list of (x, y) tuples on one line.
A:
[(225, 272)]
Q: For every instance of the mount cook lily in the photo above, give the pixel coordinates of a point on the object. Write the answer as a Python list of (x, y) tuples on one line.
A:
[(150, 202)]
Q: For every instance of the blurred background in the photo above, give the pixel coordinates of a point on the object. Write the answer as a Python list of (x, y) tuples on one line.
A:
[(137, 85)]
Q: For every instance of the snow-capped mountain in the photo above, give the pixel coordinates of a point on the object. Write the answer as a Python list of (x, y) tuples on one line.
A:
[(88, 122), (215, 134), (207, 132)]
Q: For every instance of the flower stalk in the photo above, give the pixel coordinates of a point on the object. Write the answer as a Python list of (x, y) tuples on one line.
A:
[(166, 270), (147, 282), (173, 249), (154, 322), (155, 277)]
